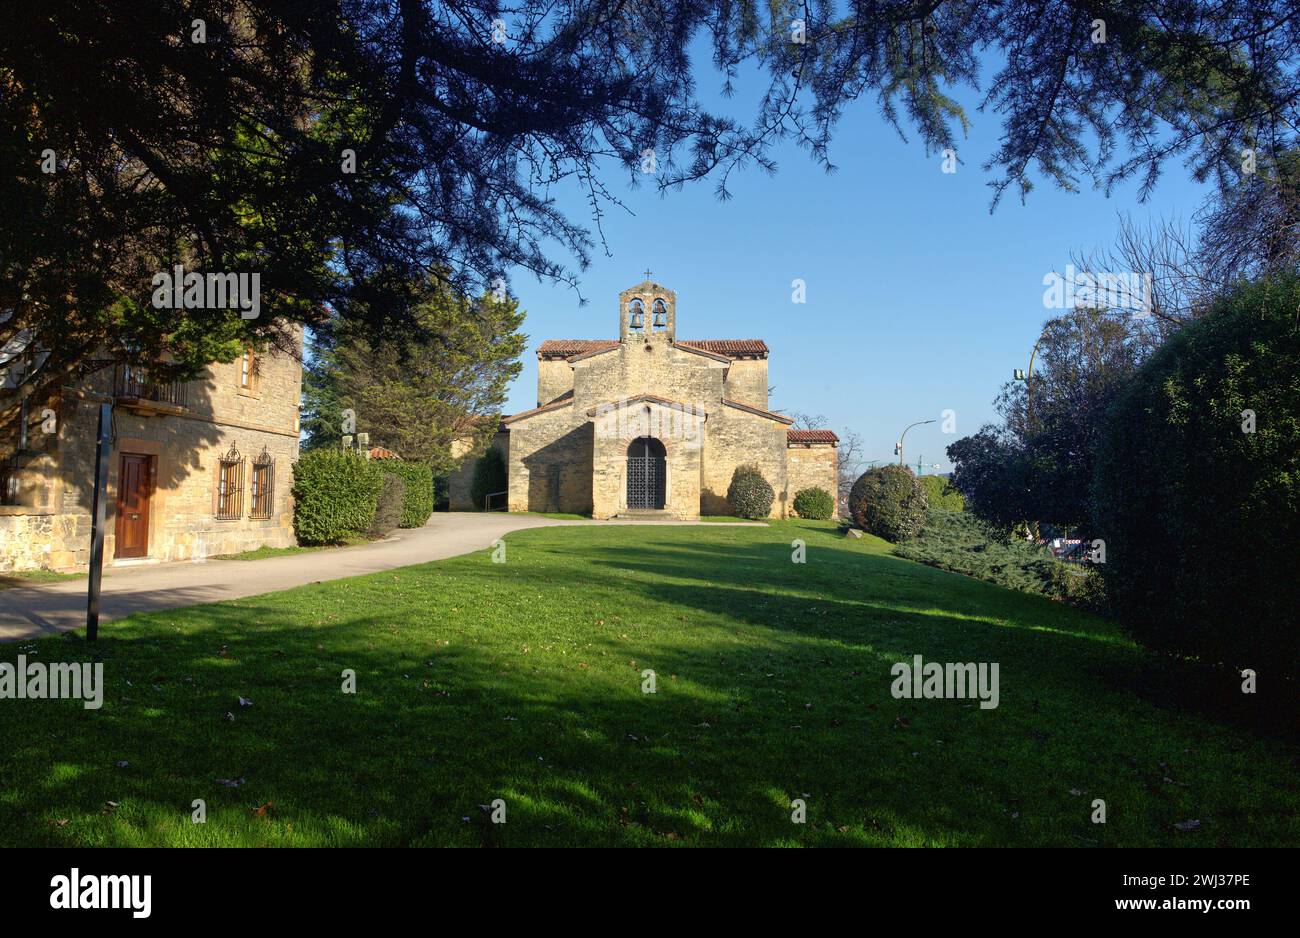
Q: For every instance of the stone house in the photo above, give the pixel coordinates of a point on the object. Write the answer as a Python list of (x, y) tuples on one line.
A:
[(651, 425), (197, 468)]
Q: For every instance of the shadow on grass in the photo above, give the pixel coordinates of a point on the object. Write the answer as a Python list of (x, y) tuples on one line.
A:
[(524, 681)]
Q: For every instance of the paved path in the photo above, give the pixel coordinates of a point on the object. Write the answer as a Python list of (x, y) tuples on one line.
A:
[(29, 612)]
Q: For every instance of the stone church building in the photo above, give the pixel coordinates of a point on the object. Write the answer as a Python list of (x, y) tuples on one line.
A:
[(651, 425)]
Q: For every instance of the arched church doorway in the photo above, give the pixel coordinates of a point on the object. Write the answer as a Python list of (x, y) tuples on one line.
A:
[(647, 473)]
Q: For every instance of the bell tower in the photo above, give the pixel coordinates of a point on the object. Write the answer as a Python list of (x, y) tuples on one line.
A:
[(647, 309)]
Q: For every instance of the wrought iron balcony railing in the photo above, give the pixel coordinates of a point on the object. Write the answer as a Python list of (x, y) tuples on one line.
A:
[(133, 384)]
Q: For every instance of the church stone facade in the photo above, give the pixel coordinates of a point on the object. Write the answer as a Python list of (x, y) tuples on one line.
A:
[(651, 425)]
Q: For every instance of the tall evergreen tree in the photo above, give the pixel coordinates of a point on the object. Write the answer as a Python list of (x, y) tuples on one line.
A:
[(417, 395)]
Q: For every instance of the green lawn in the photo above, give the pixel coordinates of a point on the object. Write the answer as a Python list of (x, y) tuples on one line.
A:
[(264, 552), (556, 515), (10, 581), (523, 681)]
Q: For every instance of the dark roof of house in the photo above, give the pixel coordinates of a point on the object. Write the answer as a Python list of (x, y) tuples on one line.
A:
[(731, 348), (811, 436)]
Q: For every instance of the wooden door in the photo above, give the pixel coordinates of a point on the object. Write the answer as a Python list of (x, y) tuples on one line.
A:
[(134, 483)]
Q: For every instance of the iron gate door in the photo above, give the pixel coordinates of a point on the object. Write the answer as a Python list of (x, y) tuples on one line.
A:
[(645, 481)]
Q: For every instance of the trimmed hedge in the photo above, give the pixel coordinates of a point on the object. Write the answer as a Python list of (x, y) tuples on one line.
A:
[(1201, 518), (388, 507), (417, 504), (889, 502), (940, 494), (814, 503), (334, 495), (489, 477), (749, 494)]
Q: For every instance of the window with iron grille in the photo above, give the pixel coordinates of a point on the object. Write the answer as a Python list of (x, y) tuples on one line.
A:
[(262, 486), (230, 486)]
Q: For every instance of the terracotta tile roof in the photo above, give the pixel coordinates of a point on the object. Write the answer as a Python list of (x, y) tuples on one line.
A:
[(378, 452), (731, 348), (564, 348), (811, 436)]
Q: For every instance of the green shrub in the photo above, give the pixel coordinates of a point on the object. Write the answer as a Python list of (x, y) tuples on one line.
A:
[(388, 507), (749, 494), (417, 504), (334, 495), (489, 477), (814, 503), (889, 502), (960, 542), (940, 494), (1201, 518)]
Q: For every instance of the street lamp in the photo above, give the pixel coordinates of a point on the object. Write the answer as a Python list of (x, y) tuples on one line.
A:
[(898, 447)]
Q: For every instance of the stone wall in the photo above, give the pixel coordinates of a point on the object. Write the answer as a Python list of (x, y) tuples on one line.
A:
[(811, 465), (747, 381), (461, 479), (554, 377), (550, 462), (40, 539), (647, 364), (734, 437)]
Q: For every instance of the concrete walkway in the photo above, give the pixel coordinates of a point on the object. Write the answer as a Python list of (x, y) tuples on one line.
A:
[(29, 612)]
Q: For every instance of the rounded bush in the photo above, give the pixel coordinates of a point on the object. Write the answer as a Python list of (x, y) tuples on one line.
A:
[(1196, 489), (814, 503), (941, 495), (388, 507), (749, 494), (489, 476), (417, 504), (889, 502), (334, 495)]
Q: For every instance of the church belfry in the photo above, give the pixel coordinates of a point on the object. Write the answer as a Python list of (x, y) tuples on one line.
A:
[(647, 309)]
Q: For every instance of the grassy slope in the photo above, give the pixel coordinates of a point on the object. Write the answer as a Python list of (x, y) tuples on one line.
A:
[(522, 681)]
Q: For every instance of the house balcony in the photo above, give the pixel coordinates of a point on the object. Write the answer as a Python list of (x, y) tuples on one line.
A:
[(135, 390)]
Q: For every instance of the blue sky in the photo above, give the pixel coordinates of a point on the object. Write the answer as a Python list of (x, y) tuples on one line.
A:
[(918, 300)]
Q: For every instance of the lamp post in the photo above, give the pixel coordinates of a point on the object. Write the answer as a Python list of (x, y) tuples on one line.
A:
[(898, 447), (98, 516)]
